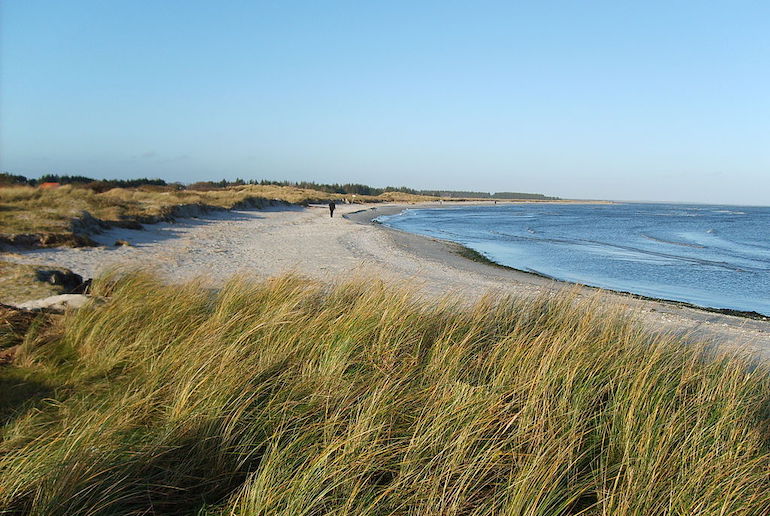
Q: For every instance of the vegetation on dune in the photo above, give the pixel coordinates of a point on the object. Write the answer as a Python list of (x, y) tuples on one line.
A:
[(288, 397), (57, 215)]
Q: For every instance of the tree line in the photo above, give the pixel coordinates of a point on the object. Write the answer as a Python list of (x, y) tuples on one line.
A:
[(101, 185), (88, 182)]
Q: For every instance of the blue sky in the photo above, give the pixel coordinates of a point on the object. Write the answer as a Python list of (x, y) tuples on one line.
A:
[(616, 100)]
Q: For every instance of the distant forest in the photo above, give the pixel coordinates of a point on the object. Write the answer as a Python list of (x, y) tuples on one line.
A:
[(101, 185)]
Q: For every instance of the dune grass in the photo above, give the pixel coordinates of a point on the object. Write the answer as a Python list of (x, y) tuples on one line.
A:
[(287, 397), (22, 282), (28, 210)]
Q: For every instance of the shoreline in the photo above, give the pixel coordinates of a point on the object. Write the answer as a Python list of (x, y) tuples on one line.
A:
[(367, 216)]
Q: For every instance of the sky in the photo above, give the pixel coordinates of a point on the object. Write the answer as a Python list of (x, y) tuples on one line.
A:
[(663, 101)]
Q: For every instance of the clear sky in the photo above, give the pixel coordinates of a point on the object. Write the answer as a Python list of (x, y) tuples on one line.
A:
[(646, 100)]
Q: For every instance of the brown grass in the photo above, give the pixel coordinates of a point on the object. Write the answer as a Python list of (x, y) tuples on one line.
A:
[(290, 398), (50, 212)]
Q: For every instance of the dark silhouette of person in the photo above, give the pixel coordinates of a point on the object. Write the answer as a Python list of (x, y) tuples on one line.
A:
[(331, 208)]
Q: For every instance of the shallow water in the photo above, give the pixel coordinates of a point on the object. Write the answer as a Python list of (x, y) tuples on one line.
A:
[(708, 255)]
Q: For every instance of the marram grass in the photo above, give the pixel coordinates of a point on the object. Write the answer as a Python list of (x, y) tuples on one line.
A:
[(289, 398), (24, 209)]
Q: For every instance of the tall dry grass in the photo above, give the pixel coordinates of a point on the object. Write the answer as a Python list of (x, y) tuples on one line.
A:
[(26, 209), (287, 397)]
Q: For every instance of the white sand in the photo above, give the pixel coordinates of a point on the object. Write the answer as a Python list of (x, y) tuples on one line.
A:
[(309, 242)]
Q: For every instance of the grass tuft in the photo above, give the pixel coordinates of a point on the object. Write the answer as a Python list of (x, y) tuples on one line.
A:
[(288, 397)]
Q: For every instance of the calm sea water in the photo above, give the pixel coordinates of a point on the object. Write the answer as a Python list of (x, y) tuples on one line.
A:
[(713, 256)]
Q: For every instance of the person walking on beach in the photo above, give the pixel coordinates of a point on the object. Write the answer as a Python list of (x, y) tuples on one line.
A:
[(331, 208)]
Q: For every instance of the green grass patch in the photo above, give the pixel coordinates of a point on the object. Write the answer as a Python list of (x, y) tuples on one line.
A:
[(289, 397)]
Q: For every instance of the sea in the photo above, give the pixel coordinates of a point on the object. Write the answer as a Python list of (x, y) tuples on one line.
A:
[(707, 255)]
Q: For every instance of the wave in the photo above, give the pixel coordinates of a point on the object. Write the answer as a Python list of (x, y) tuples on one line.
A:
[(672, 242), (643, 252), (672, 214), (713, 239)]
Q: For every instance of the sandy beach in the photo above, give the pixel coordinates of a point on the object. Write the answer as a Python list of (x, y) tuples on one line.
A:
[(307, 241)]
